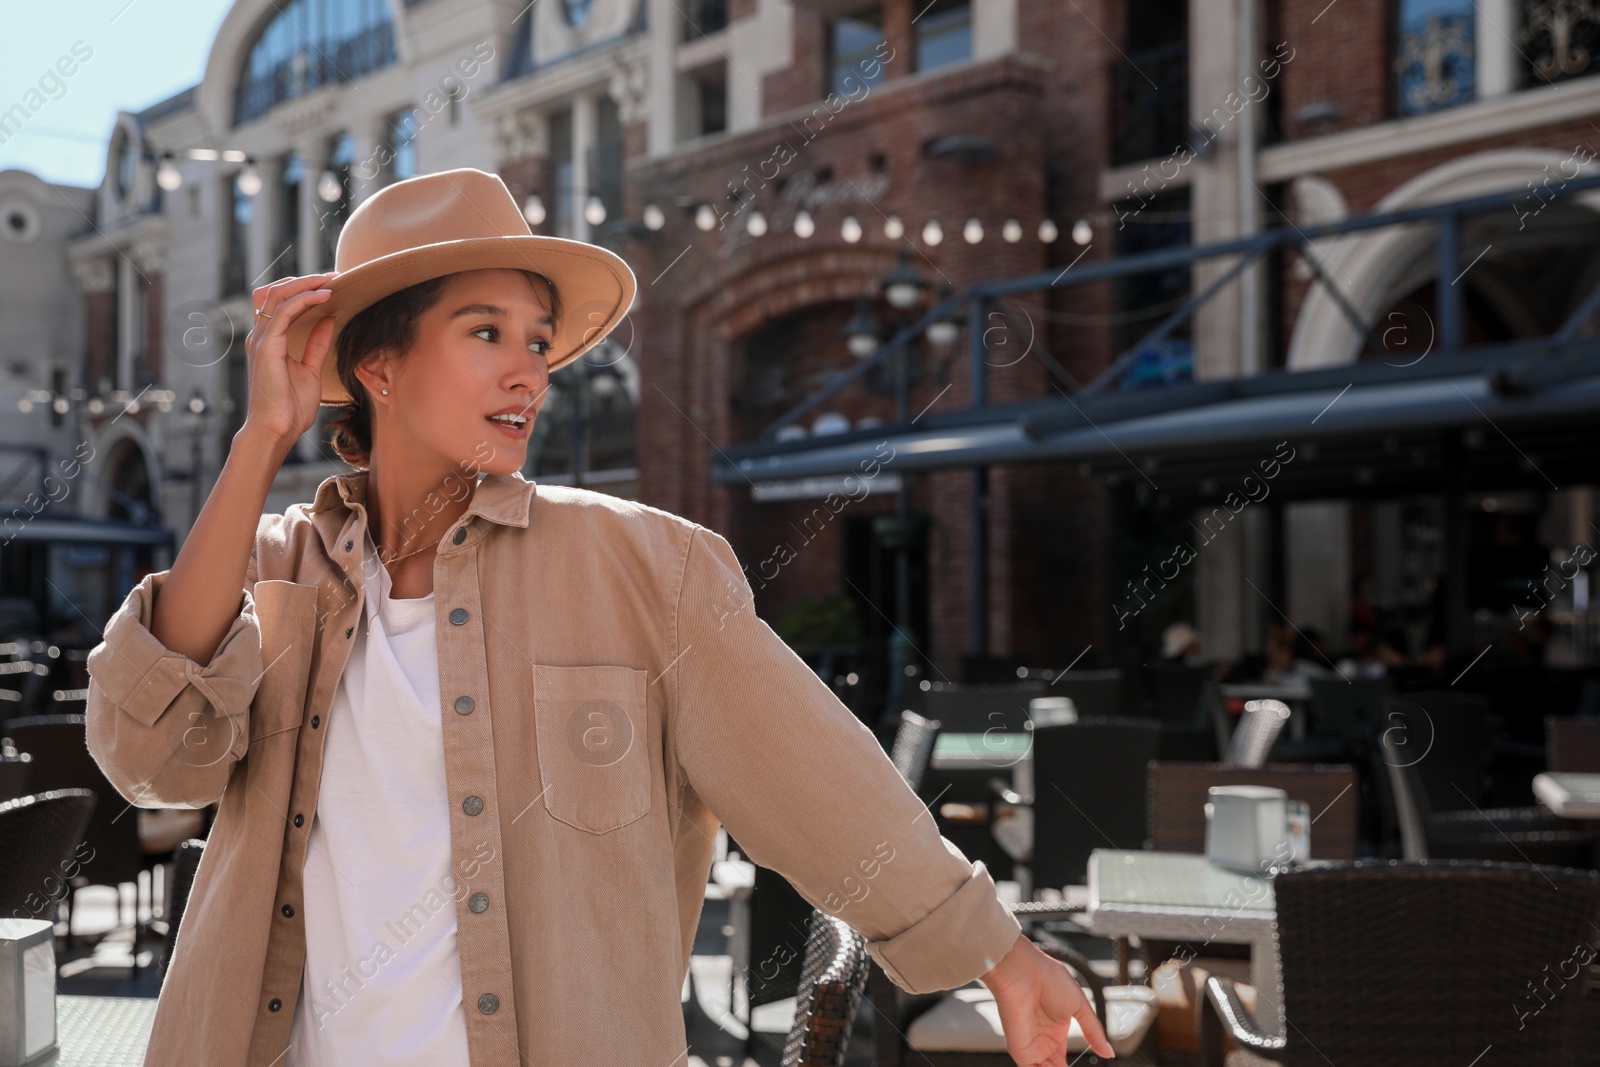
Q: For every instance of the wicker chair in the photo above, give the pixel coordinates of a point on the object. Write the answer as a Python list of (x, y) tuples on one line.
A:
[(913, 747), (1345, 708), (977, 708), (185, 862), (1391, 963), (832, 981), (1572, 745), (61, 760), (1096, 694), (39, 838), (1528, 835), (1258, 731)]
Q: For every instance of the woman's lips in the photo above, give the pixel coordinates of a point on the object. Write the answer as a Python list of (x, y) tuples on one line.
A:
[(517, 433)]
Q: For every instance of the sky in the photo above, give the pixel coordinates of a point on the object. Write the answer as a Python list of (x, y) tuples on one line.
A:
[(139, 52)]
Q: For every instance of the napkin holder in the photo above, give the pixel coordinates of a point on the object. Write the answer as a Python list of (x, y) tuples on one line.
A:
[(27, 992), (1247, 828)]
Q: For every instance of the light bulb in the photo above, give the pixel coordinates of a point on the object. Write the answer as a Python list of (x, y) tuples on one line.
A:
[(705, 218), (850, 229), (168, 176), (654, 217), (972, 231), (893, 228), (932, 233), (594, 212), (1011, 231), (533, 209), (1082, 232), (249, 181), (804, 226), (329, 187), (1048, 231), (756, 224)]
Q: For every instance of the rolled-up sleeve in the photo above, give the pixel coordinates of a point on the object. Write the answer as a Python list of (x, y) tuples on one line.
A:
[(806, 789), (165, 730)]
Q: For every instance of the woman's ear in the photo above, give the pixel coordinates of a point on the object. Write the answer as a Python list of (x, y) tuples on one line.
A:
[(374, 372)]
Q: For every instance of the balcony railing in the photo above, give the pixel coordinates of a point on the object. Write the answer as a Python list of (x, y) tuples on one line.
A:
[(1150, 103), (311, 68)]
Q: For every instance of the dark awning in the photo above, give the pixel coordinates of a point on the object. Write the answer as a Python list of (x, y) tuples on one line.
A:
[(1367, 429), (80, 531)]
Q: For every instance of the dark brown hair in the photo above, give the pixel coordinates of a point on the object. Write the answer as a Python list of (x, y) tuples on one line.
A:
[(390, 325)]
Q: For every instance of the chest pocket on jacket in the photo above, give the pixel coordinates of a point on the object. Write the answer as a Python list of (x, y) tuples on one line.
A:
[(287, 615), (594, 752)]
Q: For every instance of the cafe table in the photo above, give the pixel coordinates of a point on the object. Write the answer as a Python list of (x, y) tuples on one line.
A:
[(997, 750), (1180, 896), (1569, 795), (102, 1031)]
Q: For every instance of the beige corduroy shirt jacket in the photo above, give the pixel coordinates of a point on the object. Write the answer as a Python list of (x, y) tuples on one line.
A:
[(608, 696)]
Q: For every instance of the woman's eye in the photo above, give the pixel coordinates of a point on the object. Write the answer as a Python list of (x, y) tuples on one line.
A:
[(492, 331), (541, 347)]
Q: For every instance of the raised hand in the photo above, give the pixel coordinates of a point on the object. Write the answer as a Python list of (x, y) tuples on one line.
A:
[(285, 393)]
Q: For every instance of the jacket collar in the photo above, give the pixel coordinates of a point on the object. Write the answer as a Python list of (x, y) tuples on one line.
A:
[(502, 498)]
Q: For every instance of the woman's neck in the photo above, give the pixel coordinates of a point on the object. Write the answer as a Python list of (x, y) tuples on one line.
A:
[(407, 516)]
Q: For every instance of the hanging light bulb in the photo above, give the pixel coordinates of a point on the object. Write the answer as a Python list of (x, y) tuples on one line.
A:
[(168, 176), (24, 405), (533, 209), (893, 228), (249, 180), (972, 231), (329, 187), (705, 218), (756, 224), (1011, 231), (804, 225), (654, 217), (850, 229), (594, 212), (1048, 231), (1082, 232), (60, 405), (932, 233)]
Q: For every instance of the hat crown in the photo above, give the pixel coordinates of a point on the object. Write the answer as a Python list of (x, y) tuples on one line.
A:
[(452, 205)]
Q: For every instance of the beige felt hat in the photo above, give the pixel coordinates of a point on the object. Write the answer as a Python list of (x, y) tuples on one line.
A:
[(459, 220)]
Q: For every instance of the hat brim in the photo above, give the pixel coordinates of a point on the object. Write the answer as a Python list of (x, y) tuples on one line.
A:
[(594, 285)]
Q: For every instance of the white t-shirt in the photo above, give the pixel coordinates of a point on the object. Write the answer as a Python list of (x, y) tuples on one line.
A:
[(382, 981)]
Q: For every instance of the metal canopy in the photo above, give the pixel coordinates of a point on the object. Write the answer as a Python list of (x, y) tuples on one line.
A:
[(1368, 429), (83, 532)]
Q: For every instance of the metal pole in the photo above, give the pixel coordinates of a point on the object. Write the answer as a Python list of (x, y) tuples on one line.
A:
[(980, 561), (1448, 302), (979, 362)]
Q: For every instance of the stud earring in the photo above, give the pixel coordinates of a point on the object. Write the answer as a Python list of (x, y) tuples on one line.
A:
[(386, 392)]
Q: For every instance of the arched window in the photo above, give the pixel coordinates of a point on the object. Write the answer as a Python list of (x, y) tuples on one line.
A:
[(309, 44)]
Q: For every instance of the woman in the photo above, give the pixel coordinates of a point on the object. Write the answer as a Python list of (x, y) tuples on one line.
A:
[(472, 739)]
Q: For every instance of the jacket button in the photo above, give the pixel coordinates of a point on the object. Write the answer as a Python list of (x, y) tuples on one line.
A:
[(316, 721), (274, 1004), (461, 535), (478, 901), (458, 616), (349, 630), (464, 705), (488, 1003), (299, 820), (288, 911), (472, 805), (348, 545)]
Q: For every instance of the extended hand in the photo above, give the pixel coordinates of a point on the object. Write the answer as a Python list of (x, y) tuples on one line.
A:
[(1037, 1000)]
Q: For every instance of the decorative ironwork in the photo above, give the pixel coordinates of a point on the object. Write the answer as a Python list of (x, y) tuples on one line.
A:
[(1563, 37), (287, 63), (1433, 63)]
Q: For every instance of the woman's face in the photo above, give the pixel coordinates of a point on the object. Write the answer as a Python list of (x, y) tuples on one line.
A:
[(481, 350)]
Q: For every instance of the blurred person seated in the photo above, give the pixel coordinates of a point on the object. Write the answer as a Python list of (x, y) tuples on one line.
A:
[(1180, 644), (1369, 656), (1294, 655)]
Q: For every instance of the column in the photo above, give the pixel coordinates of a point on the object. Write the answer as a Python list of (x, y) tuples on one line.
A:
[(1496, 57), (583, 142), (663, 76), (130, 323), (314, 151)]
